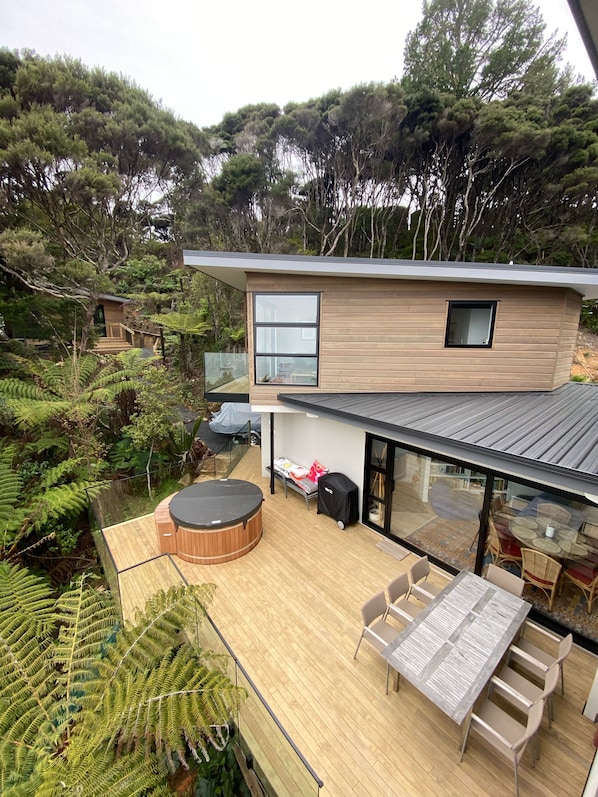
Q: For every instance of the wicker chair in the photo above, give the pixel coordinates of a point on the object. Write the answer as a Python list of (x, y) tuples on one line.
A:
[(501, 549), (542, 571), (584, 575), (553, 513)]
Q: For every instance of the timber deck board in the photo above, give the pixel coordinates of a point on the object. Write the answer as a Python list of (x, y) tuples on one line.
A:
[(290, 610)]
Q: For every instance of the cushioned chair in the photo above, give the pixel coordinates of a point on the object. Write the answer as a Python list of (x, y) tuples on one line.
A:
[(420, 587), (502, 549), (542, 571), (375, 629), (399, 606), (504, 733), (584, 575), (502, 578), (535, 660)]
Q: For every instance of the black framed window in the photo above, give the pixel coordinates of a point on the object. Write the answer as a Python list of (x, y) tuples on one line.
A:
[(286, 338), (99, 320), (470, 324)]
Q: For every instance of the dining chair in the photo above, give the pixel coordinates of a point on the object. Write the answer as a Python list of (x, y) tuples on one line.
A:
[(535, 660), (584, 575), (504, 733), (502, 549), (502, 578), (553, 512), (541, 571), (376, 630), (399, 606), (420, 587), (521, 693)]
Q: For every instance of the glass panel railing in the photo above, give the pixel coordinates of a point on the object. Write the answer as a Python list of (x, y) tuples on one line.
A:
[(226, 372), (280, 767)]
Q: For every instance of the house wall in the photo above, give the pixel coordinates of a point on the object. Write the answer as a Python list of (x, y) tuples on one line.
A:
[(338, 446), (388, 335)]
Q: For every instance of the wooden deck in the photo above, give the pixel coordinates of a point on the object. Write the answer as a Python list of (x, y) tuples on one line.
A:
[(290, 610)]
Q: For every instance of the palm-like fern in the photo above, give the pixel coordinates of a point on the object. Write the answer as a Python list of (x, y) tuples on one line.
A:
[(88, 707)]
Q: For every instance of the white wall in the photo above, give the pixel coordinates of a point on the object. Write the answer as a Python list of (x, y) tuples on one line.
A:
[(338, 446)]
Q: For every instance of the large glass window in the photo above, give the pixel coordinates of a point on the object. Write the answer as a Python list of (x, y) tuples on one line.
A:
[(470, 324), (286, 338)]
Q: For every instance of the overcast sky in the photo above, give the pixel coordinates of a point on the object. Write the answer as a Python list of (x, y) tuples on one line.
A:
[(204, 59)]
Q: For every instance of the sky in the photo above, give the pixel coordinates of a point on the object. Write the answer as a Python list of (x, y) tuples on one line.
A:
[(204, 59)]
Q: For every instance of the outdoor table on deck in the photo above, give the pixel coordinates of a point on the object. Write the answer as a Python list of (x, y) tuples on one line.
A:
[(452, 648)]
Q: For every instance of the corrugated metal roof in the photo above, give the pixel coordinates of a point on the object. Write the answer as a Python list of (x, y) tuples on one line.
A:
[(530, 434)]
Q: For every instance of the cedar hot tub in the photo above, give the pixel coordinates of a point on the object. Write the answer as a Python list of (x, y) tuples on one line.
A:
[(217, 521)]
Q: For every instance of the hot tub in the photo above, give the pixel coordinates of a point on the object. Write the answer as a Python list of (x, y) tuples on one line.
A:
[(217, 521)]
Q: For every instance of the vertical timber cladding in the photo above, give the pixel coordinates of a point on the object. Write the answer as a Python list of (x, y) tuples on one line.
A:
[(388, 335)]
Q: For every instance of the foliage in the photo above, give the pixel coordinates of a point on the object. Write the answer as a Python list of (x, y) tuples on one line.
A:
[(36, 506), (221, 777), (89, 707), (66, 405), (89, 159), (481, 48)]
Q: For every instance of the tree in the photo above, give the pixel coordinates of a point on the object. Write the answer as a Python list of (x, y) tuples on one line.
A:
[(88, 159), (90, 707), (480, 48), (66, 406)]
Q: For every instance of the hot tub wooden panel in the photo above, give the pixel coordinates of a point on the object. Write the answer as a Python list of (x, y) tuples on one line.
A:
[(214, 546)]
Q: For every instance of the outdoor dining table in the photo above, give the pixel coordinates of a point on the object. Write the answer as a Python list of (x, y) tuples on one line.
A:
[(562, 544), (452, 648)]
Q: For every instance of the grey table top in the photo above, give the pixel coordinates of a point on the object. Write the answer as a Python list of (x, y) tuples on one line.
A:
[(450, 651)]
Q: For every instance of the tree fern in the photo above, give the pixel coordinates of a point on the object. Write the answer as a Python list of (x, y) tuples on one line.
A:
[(89, 708)]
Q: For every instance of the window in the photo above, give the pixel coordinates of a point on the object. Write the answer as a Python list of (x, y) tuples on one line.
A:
[(286, 337), (470, 324), (99, 321)]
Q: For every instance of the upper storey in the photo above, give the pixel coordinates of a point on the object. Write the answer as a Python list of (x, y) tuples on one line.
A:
[(351, 325)]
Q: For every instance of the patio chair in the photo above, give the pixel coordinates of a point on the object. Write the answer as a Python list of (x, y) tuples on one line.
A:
[(536, 661), (504, 733), (502, 549), (553, 512), (375, 629), (521, 693), (502, 578), (420, 587), (399, 606), (541, 571), (584, 575)]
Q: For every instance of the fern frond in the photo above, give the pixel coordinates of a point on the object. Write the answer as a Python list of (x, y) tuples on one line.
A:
[(29, 413), (100, 774), (10, 490), (18, 389), (165, 708), (87, 617), (54, 475), (156, 629), (57, 502), (23, 593)]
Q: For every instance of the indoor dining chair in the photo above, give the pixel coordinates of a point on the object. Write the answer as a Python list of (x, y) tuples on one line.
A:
[(583, 575), (505, 734), (542, 571), (502, 549), (399, 606), (376, 630)]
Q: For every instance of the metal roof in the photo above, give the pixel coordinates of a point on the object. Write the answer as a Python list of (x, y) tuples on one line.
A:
[(548, 437), (232, 269)]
